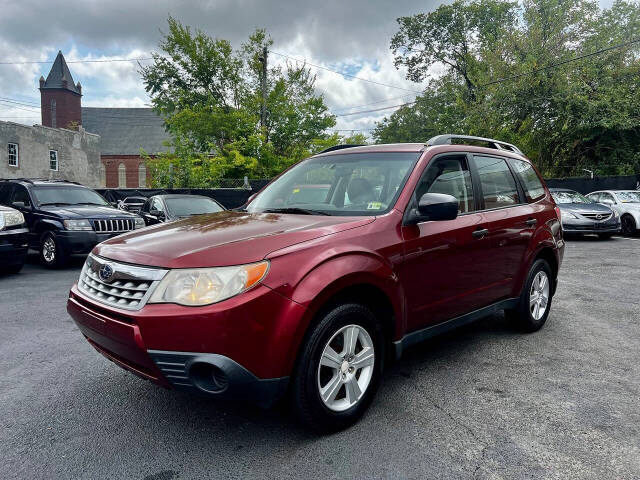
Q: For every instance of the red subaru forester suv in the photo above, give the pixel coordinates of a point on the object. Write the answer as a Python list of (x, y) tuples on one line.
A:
[(309, 294)]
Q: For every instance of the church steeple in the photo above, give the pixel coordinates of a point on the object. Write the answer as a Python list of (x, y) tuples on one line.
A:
[(60, 96)]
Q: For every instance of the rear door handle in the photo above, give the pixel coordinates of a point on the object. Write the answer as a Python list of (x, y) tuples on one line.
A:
[(480, 233), (531, 222)]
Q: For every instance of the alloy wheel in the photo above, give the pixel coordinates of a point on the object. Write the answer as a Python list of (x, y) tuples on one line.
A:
[(346, 368), (628, 225), (49, 249), (539, 295)]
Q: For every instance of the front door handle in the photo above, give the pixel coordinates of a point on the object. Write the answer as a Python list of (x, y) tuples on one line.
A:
[(480, 233), (531, 222)]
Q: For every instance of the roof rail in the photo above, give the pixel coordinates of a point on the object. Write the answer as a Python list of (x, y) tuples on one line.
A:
[(28, 180), (497, 144), (339, 147)]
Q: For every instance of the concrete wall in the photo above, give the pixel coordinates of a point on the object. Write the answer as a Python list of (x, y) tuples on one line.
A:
[(78, 153)]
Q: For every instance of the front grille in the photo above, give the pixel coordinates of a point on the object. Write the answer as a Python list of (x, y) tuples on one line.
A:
[(113, 225), (600, 217), (117, 284)]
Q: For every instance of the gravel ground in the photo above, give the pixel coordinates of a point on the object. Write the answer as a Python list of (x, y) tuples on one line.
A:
[(481, 402)]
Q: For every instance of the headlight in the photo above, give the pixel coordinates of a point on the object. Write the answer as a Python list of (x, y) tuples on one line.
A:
[(204, 286), (140, 223), (566, 214), (11, 219), (77, 225)]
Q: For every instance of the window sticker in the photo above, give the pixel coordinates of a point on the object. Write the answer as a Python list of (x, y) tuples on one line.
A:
[(374, 206)]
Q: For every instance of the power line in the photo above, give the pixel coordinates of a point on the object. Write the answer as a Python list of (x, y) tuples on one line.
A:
[(376, 109), (107, 60), (372, 103), (344, 74), (564, 62), (19, 102), (19, 108)]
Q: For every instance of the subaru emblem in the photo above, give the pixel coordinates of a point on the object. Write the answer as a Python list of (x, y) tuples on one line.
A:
[(105, 272)]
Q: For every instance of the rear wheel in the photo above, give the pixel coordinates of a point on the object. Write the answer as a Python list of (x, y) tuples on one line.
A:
[(50, 252), (628, 225), (535, 300), (339, 369)]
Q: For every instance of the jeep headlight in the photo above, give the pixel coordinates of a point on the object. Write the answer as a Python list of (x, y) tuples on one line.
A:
[(11, 218), (204, 286), (77, 225), (140, 223)]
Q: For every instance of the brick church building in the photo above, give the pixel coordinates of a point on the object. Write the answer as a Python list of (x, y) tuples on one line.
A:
[(123, 131)]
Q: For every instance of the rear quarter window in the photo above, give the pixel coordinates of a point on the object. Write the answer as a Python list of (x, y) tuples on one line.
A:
[(531, 183)]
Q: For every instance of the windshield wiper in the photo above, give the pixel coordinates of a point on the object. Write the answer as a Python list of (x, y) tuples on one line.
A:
[(90, 203), (295, 210), (55, 203)]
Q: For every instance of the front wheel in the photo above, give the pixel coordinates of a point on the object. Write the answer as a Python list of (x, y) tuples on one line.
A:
[(50, 252), (535, 300), (628, 225), (339, 369)]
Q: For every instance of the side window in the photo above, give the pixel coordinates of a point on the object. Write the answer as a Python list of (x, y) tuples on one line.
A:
[(20, 194), (533, 188), (607, 198), (449, 175), (498, 185), (594, 196)]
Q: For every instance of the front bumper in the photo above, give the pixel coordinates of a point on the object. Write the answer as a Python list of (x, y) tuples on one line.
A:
[(588, 226), (241, 348), (14, 243), (82, 242)]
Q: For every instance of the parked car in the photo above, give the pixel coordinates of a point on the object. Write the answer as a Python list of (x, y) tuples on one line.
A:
[(13, 240), (170, 207), (132, 204), (626, 203), (313, 298), (64, 218), (581, 215)]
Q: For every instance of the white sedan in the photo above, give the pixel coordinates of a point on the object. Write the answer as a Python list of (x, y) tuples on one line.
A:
[(626, 203)]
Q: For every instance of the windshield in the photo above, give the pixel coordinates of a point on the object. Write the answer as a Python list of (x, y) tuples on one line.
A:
[(344, 184), (629, 197), (186, 206), (67, 196), (570, 197)]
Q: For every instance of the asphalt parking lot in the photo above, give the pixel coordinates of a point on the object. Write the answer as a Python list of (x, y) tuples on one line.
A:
[(481, 402)]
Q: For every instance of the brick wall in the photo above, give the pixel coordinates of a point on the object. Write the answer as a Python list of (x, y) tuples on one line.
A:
[(131, 164), (68, 108)]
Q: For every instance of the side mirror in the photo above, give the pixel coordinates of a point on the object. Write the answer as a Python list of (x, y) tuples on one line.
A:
[(157, 213), (19, 204), (435, 207)]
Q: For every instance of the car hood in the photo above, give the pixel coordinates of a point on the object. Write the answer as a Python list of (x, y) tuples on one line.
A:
[(220, 239), (584, 207), (85, 211)]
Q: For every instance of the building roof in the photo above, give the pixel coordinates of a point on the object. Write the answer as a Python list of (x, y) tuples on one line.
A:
[(124, 131), (59, 74)]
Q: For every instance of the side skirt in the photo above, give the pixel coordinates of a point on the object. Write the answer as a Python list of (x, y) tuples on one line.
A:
[(433, 330)]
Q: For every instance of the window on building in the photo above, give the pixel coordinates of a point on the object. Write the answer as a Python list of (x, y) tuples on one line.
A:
[(53, 113), (122, 176), (12, 149), (53, 160), (142, 176)]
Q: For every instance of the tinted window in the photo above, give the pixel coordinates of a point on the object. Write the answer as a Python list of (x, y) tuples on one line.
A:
[(185, 206), (20, 194), (451, 176), (498, 185), (533, 188), (67, 195)]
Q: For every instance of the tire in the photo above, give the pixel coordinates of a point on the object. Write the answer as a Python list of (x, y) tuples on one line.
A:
[(51, 254), (525, 316), (628, 225), (339, 379), (605, 236)]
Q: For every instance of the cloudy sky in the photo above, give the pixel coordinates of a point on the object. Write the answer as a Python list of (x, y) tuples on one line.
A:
[(349, 36)]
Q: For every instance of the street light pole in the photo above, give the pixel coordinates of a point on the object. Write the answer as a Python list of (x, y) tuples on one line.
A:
[(263, 86)]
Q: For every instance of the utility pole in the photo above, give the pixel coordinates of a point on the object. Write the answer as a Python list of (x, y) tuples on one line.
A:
[(263, 86)]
